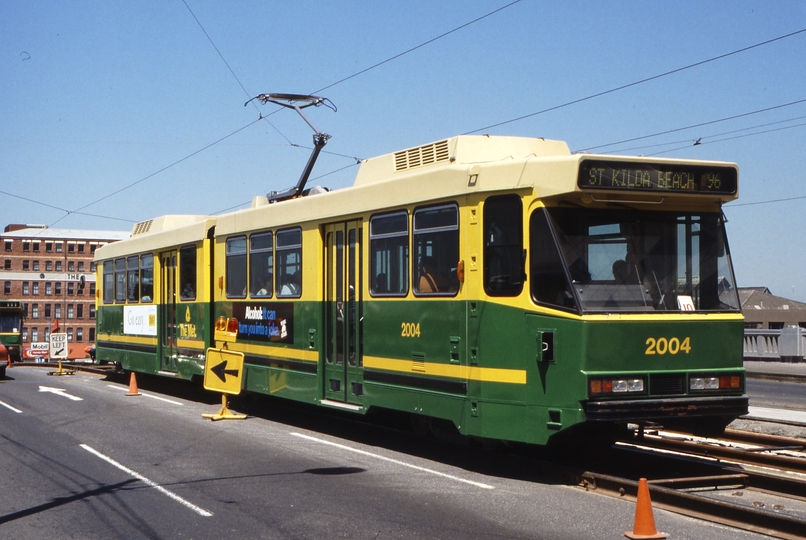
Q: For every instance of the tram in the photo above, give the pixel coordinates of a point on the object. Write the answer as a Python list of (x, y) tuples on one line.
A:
[(11, 315), (499, 284)]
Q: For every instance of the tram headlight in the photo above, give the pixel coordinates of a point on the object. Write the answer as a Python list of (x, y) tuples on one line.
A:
[(602, 386), (710, 383)]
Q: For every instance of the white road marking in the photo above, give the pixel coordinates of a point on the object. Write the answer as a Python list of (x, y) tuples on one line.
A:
[(60, 392), (395, 461), (172, 495), (6, 405), (147, 395)]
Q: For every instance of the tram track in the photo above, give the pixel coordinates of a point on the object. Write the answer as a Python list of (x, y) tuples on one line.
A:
[(745, 480)]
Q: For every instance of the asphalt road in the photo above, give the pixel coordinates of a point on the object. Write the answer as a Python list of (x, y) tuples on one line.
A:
[(777, 394), (80, 459)]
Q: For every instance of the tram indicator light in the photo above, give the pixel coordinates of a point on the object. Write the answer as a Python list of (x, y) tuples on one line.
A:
[(657, 177)]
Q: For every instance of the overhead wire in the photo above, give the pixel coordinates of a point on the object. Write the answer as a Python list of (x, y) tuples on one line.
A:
[(636, 83)]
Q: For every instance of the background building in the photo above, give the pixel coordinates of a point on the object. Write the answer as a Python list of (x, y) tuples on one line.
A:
[(52, 273), (764, 310)]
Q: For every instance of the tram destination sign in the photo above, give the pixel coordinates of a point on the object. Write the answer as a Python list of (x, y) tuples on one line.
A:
[(657, 177)]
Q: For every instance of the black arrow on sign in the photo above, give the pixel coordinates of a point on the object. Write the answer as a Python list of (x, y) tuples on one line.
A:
[(221, 371)]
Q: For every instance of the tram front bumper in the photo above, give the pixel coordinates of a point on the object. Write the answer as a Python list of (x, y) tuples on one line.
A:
[(637, 410)]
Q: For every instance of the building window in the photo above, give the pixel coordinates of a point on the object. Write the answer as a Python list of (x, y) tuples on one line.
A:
[(59, 247), (70, 311), (35, 288), (58, 266), (71, 247), (81, 250), (71, 288), (8, 245), (58, 288), (92, 289), (36, 266), (7, 265), (34, 334), (26, 245), (49, 247), (47, 311), (79, 311), (36, 247), (34, 311), (25, 287), (92, 311), (71, 266), (92, 334), (57, 311), (48, 265), (70, 335), (47, 334), (48, 289), (25, 334), (25, 265), (92, 267), (80, 266), (80, 331), (7, 287)]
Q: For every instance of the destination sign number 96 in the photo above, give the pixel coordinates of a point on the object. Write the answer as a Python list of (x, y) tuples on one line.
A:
[(659, 177)]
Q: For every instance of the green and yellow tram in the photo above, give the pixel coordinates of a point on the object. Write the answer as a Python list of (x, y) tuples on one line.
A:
[(11, 315), (500, 284)]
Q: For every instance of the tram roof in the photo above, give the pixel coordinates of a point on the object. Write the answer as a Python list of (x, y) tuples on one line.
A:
[(452, 167), (163, 231)]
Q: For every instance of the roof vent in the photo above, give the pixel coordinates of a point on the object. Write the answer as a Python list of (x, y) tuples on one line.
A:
[(423, 155), (142, 227)]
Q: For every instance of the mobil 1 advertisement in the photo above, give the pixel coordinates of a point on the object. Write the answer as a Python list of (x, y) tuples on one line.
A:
[(265, 321)]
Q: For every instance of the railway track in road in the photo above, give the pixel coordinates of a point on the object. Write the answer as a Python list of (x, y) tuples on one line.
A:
[(746, 480)]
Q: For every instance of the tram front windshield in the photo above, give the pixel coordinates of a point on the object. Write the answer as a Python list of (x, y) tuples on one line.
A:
[(630, 261)]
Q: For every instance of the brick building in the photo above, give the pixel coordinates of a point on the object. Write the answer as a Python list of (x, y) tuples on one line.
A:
[(51, 271)]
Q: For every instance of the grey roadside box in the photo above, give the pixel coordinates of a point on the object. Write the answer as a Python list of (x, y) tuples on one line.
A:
[(790, 344)]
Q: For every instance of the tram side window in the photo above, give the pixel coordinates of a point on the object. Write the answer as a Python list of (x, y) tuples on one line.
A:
[(236, 267), (549, 282), (133, 279), (147, 278), (120, 280), (289, 263), (109, 282), (503, 246), (436, 249), (261, 262), (389, 254), (187, 273)]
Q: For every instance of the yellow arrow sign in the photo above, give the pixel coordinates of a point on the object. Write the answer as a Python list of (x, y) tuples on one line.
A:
[(223, 371)]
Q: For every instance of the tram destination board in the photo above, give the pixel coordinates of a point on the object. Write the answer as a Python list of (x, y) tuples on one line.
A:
[(657, 177)]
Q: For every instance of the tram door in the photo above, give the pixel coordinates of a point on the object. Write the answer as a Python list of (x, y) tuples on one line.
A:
[(167, 312), (343, 313)]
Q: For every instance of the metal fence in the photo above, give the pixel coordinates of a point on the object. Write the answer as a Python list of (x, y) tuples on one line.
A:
[(782, 345)]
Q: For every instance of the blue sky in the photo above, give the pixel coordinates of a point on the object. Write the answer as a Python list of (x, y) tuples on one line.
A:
[(98, 96)]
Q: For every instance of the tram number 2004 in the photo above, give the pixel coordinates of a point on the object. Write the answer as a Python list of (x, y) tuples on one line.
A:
[(670, 346), (410, 329)]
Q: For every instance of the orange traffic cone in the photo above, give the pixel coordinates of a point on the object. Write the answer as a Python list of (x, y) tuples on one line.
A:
[(644, 526), (133, 391)]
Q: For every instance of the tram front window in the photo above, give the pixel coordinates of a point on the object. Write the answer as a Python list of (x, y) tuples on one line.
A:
[(631, 261)]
